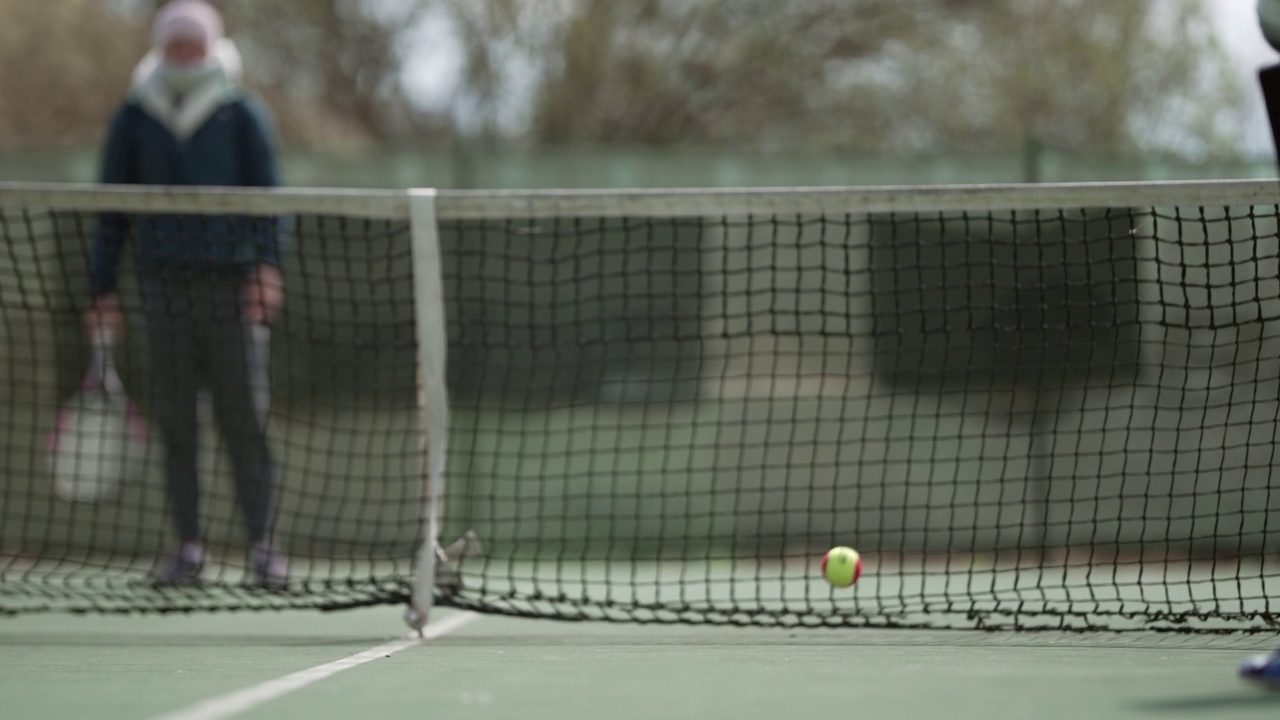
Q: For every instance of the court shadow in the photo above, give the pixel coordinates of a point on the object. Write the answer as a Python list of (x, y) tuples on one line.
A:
[(1245, 699)]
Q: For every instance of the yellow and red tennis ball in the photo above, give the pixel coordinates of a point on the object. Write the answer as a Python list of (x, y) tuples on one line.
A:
[(842, 566)]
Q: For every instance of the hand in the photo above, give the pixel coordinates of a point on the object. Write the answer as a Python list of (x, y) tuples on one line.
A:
[(104, 314), (263, 295)]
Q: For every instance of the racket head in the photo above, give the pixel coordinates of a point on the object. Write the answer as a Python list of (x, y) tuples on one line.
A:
[(97, 433), (89, 447)]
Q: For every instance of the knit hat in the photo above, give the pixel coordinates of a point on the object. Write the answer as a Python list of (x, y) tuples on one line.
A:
[(187, 19)]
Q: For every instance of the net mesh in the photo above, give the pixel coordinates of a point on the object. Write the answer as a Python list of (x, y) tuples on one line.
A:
[(342, 425), (1027, 407)]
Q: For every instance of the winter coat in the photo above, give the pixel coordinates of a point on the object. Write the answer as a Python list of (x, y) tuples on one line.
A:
[(219, 135)]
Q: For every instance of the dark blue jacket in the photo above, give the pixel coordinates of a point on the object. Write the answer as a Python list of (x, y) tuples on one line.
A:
[(234, 147)]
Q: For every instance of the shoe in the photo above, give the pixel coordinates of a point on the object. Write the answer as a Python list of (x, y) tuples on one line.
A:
[(1263, 669), (183, 569), (270, 567)]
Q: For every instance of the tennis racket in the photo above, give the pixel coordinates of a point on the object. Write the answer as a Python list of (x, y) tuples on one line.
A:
[(98, 433)]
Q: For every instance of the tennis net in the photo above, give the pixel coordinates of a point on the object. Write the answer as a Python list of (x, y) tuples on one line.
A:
[(1048, 406)]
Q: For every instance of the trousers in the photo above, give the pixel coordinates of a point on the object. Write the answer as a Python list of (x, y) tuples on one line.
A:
[(197, 340)]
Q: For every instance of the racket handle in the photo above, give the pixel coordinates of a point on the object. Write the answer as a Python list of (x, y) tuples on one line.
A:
[(137, 425), (102, 337), (59, 427), (102, 370)]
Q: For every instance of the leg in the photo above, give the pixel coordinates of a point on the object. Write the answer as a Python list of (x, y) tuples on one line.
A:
[(1269, 80), (237, 378), (174, 386), (230, 377), (172, 349), (1265, 669)]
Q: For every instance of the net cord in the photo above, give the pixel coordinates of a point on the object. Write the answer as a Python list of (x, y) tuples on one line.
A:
[(673, 202)]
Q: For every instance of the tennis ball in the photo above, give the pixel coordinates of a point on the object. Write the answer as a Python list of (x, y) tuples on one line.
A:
[(842, 566)]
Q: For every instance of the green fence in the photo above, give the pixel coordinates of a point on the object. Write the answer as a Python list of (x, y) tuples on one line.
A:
[(609, 167)]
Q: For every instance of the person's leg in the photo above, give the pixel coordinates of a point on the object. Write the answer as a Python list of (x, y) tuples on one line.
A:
[(174, 385), (1269, 82), (233, 375), (1265, 669)]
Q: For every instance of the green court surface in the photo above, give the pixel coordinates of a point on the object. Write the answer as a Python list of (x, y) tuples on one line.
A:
[(185, 667)]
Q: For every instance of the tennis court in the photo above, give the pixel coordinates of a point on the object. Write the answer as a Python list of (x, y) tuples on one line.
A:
[(194, 666), (662, 409)]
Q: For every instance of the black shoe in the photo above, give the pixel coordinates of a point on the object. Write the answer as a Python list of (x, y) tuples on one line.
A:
[(183, 569), (270, 567)]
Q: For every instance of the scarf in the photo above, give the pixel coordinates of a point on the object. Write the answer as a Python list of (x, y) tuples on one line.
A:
[(184, 98)]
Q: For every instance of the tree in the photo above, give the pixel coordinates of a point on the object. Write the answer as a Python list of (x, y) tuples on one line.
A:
[(63, 68), (329, 70), (877, 75), (341, 56), (903, 76)]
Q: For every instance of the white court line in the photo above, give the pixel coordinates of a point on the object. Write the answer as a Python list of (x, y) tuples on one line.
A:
[(239, 701)]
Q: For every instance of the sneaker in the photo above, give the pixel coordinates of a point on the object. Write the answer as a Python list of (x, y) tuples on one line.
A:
[(183, 569), (270, 568), (1263, 669)]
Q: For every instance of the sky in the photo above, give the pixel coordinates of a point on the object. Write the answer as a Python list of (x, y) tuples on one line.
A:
[(1238, 26)]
